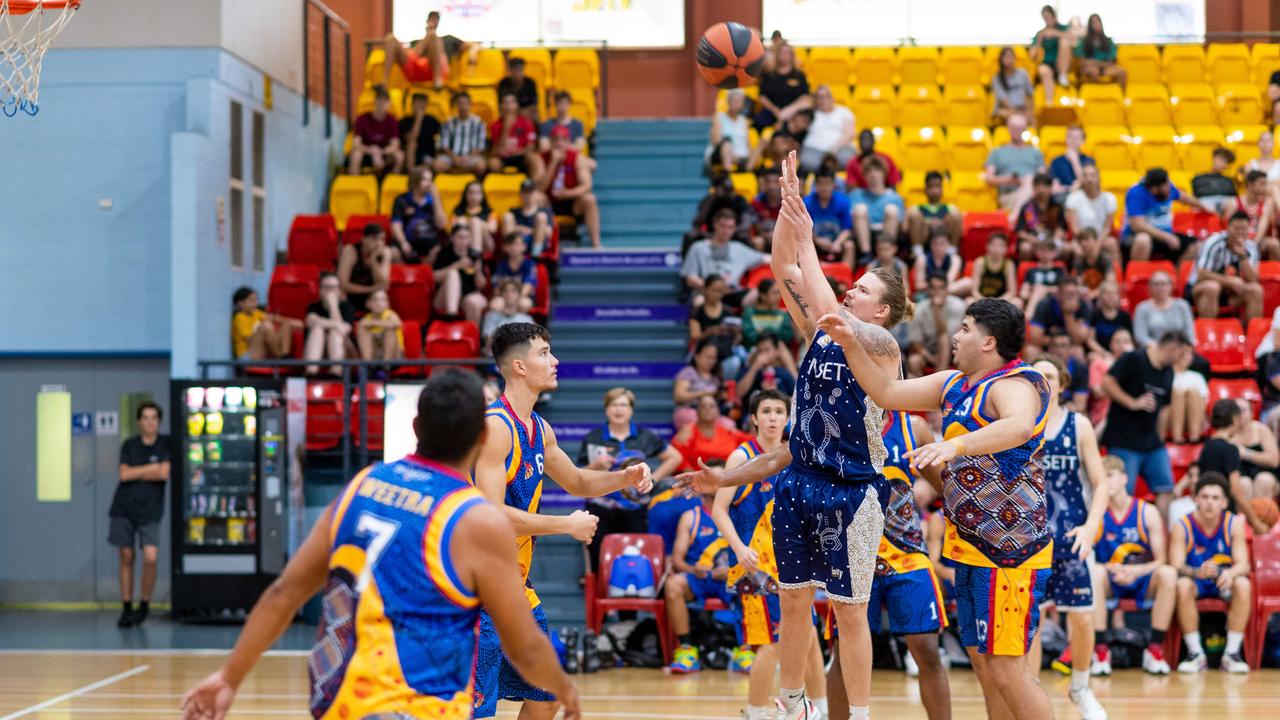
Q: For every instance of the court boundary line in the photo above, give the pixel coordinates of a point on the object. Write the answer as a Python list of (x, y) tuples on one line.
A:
[(72, 694)]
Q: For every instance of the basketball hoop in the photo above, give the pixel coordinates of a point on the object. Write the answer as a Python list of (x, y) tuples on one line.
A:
[(30, 27)]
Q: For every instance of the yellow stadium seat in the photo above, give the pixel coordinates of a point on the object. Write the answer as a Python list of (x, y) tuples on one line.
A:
[(490, 67), (1101, 105), (537, 65), (802, 56), (1109, 146), (373, 71), (722, 97), (1239, 103), (1021, 55), (1193, 105), (918, 105), (1141, 62), (577, 67), (962, 66), (484, 102), (582, 106), (1181, 179), (352, 195), (1155, 146), (1228, 63), (873, 66), (1265, 59), (364, 102), (451, 186), (886, 139), (971, 193), (918, 66), (1183, 64), (827, 66), (923, 149), (912, 187), (968, 148), (1053, 141), (393, 186), (745, 184), (1000, 136), (840, 94), (873, 106), (1148, 104), (347, 143), (966, 105), (1243, 141), (1118, 183), (1197, 145), (503, 191)]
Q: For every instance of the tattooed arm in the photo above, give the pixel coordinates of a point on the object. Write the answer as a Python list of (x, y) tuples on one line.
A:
[(872, 354), (805, 290)]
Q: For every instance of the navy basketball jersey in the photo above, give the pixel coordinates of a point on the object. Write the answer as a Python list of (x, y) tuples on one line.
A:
[(1066, 489), (836, 427)]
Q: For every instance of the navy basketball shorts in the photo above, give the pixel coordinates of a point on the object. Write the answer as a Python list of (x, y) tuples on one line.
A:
[(1070, 585), (496, 678)]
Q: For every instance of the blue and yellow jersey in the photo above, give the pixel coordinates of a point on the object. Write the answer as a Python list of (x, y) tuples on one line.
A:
[(902, 549), (705, 543), (524, 478), (398, 627), (835, 427), (665, 509), (1209, 547), (751, 512), (996, 510), (1124, 541)]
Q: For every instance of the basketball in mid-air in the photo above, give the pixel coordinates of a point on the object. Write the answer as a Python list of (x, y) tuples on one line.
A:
[(730, 55)]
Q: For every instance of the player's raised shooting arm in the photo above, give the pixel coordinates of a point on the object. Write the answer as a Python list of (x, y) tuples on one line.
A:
[(794, 261), (873, 354), (589, 483), (491, 479)]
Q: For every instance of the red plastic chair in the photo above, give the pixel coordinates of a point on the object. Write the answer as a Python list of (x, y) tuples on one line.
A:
[(412, 332), (356, 223), (541, 295), (377, 396), (1266, 592), (551, 251), (1196, 224), (1269, 276), (839, 272), (1254, 333), (1231, 389), (313, 240), (1138, 274), (1182, 457), (598, 602), (412, 289), (324, 415), (458, 339), (293, 288), (978, 226), (756, 275), (1221, 341)]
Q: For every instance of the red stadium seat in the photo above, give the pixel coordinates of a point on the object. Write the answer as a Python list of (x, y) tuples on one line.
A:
[(1254, 333), (1231, 389), (376, 398), (1266, 593), (313, 240), (839, 272), (411, 291), (1269, 276), (978, 226), (1221, 341), (293, 288), (356, 223), (541, 295), (412, 331), (1199, 225), (324, 415), (1173, 638), (598, 602), (1138, 274), (458, 339), (1184, 274), (755, 275), (1182, 457)]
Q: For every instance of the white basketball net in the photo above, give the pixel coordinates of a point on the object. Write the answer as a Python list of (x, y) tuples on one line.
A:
[(29, 28)]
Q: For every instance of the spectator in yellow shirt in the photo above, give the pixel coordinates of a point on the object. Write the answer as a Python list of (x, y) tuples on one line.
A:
[(256, 334), (380, 333)]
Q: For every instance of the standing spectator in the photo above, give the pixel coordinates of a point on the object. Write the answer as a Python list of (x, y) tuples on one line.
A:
[(522, 87), (867, 150), (1088, 207), (832, 219), (1139, 384), (765, 208), (718, 256), (1041, 218), (1214, 188), (418, 218), (463, 140), (365, 268), (136, 510), (1162, 313), (933, 215), (1106, 319), (515, 264), (531, 221), (419, 133), (1258, 204), (1091, 263), (1096, 53), (256, 334), (566, 179), (459, 276), (830, 134), (1011, 89), (730, 146), (1040, 278), (770, 366), (767, 316), (380, 333), (1053, 60), (784, 91), (1149, 230), (513, 137), (1010, 167), (699, 380), (577, 132), (935, 322), (942, 259), (877, 207), (473, 211), (330, 320), (1063, 312), (709, 436), (1226, 272), (1184, 419), (376, 139), (994, 274), (1066, 168), (508, 290)]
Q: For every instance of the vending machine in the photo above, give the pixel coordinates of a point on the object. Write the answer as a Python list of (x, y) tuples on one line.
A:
[(229, 498)]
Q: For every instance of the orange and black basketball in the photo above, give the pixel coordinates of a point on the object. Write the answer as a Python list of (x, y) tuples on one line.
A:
[(730, 55)]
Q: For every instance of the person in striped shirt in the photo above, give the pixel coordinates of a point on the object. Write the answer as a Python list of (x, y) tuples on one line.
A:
[(1226, 271), (464, 141)]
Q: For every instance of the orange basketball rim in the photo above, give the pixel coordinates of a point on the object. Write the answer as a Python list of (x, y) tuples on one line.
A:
[(27, 29)]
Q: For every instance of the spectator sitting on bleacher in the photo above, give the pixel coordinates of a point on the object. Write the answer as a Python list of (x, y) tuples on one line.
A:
[(700, 562), (1041, 277), (941, 258), (712, 320), (459, 277), (1265, 161), (515, 264), (463, 141), (1010, 167), (1064, 311), (1226, 272), (512, 137), (1221, 454), (717, 255), (1106, 319), (933, 214), (766, 316), (419, 133), (376, 139), (1257, 202), (1091, 263), (937, 319), (832, 219), (1075, 387), (418, 218), (994, 274), (1268, 378), (577, 134), (1259, 456), (427, 61), (1011, 89), (866, 150), (770, 366), (365, 268), (1090, 208), (522, 86), (765, 208), (1209, 551), (1041, 217), (473, 211), (380, 333), (330, 320), (505, 311), (782, 141), (721, 196), (1066, 168), (830, 134), (1161, 313), (1096, 53), (699, 379), (1184, 420), (257, 334), (1051, 49), (565, 178), (1215, 189), (730, 146), (709, 435), (784, 91), (532, 221), (886, 256), (1149, 230), (877, 207)]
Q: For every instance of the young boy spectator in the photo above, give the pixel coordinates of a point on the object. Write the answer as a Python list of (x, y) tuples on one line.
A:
[(765, 208), (565, 178), (1209, 551), (766, 316), (1257, 202), (700, 564), (1010, 167), (994, 274), (1041, 218), (380, 333), (936, 320), (1066, 168), (533, 222), (1064, 311), (376, 139), (1106, 319), (463, 141), (419, 133), (256, 334), (508, 311), (1038, 279), (933, 215), (1091, 263), (866, 150), (519, 267), (137, 508), (365, 268), (418, 218), (877, 207), (330, 321), (522, 86), (1149, 227), (770, 366), (886, 256), (1215, 187), (1089, 208), (512, 137), (832, 219), (1226, 272), (577, 135), (427, 61), (941, 258)]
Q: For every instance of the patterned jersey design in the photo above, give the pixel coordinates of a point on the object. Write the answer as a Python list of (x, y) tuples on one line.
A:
[(524, 478), (1066, 488), (836, 427), (902, 519)]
